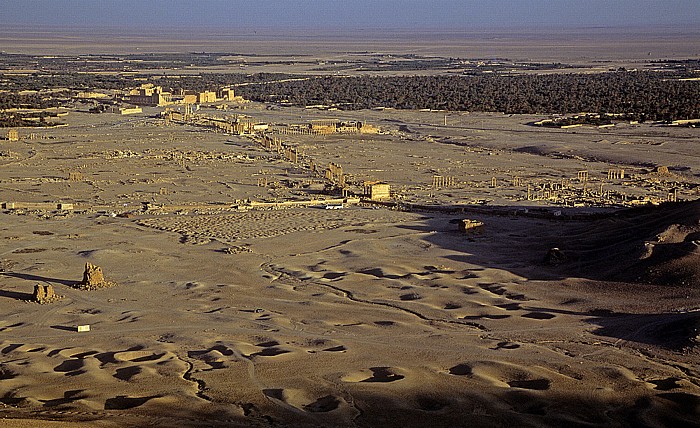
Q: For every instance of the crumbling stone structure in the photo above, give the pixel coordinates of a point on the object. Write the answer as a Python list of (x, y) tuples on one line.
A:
[(335, 174), (44, 294), (291, 154), (93, 278), (672, 195)]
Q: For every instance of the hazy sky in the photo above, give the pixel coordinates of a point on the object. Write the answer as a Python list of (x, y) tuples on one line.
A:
[(351, 14)]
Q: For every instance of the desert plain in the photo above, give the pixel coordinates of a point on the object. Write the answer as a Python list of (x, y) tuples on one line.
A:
[(221, 312)]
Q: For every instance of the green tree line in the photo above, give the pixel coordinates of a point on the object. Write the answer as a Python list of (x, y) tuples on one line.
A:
[(651, 95)]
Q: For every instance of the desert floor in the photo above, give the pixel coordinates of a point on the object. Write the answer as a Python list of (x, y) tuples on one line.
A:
[(596, 49), (365, 316)]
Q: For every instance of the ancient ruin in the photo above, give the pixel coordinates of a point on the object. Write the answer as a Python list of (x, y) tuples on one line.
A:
[(93, 278), (44, 294), (616, 174), (335, 273), (468, 225), (377, 191), (440, 181), (334, 174), (12, 135), (75, 176)]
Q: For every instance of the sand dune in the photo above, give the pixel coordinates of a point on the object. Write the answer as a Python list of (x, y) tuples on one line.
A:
[(345, 330), (365, 316)]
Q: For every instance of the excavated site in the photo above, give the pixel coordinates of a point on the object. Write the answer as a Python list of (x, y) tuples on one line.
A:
[(456, 300), (444, 269)]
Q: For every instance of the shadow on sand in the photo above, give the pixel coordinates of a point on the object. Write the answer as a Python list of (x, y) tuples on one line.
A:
[(527, 404), (16, 295), (37, 278), (628, 258), (658, 245), (64, 328)]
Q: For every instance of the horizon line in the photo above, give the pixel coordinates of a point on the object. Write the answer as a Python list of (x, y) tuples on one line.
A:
[(36, 28)]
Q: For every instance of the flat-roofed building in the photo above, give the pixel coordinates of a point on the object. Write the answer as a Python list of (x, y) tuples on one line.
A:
[(377, 191)]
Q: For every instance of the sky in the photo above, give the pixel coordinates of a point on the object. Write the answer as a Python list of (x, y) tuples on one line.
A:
[(351, 14)]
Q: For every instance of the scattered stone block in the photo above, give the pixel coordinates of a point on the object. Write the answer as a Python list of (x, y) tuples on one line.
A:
[(236, 249), (555, 257), (468, 225)]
